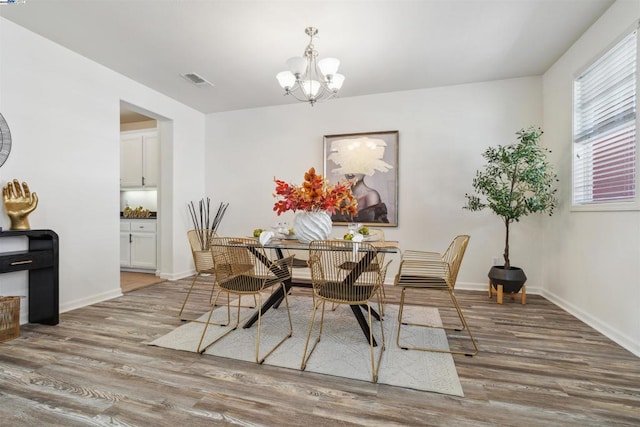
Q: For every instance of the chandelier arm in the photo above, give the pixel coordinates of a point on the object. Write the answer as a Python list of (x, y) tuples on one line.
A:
[(312, 79), (333, 95), (318, 99), (293, 94)]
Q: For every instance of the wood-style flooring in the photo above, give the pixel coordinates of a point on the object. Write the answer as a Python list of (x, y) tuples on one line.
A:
[(537, 366), (130, 281)]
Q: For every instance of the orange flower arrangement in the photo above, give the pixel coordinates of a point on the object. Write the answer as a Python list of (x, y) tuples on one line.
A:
[(315, 194)]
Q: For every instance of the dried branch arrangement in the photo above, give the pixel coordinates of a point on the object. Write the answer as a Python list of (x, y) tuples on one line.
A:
[(206, 227)]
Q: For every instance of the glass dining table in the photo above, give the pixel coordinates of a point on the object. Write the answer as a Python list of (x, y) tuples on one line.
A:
[(281, 245)]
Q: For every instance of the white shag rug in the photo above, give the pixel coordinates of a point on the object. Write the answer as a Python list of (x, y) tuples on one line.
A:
[(343, 349)]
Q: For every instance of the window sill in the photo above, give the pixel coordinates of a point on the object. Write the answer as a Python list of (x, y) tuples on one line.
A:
[(607, 207)]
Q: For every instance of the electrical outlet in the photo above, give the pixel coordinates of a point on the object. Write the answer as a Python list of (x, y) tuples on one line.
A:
[(496, 261)]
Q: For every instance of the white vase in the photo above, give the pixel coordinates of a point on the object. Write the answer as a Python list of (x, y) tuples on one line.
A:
[(314, 225)]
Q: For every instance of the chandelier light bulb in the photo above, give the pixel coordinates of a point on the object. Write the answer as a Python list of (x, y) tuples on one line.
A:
[(308, 79), (336, 82), (310, 88), (328, 66), (297, 65), (286, 79)]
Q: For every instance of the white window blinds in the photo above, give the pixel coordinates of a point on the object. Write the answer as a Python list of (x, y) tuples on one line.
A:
[(604, 133)]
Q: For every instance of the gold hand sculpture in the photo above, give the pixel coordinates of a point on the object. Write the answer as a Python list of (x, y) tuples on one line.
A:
[(18, 205)]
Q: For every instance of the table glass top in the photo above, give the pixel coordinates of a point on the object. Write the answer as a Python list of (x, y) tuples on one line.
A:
[(381, 245)]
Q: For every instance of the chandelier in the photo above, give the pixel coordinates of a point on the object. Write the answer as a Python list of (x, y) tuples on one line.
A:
[(309, 80)]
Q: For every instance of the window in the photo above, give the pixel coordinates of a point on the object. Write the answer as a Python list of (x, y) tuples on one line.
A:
[(604, 127)]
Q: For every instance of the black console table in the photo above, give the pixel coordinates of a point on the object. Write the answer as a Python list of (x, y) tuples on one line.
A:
[(41, 260)]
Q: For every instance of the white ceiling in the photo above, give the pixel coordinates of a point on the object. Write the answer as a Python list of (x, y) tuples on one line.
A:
[(240, 46)]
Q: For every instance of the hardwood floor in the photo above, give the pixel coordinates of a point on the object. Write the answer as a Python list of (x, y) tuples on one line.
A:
[(130, 281), (537, 366)]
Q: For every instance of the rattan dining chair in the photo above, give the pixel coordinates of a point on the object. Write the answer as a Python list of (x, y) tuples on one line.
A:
[(348, 273), (248, 270), (421, 270)]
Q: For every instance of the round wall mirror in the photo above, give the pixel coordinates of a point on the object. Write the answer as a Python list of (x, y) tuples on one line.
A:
[(5, 140)]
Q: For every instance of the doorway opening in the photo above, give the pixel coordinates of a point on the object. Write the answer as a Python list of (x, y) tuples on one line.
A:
[(140, 185)]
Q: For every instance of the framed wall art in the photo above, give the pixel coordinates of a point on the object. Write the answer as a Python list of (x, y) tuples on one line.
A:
[(370, 161)]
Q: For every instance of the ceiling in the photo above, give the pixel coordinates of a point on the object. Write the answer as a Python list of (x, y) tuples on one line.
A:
[(239, 46)]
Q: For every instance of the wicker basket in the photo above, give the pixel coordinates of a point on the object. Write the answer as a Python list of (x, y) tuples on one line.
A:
[(9, 318)]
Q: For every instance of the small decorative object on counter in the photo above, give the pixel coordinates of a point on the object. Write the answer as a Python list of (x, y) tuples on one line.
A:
[(19, 202), (138, 212)]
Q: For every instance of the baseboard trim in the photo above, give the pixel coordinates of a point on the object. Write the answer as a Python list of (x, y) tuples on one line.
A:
[(177, 276), (612, 333), (93, 299)]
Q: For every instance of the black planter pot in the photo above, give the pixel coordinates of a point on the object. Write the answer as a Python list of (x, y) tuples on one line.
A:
[(511, 279)]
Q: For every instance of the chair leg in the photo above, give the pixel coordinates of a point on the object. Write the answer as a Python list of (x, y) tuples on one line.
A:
[(305, 356), (460, 315), (375, 367), (464, 324), (255, 303), (382, 298), (201, 348), (259, 359), (193, 282), (214, 305), (213, 288)]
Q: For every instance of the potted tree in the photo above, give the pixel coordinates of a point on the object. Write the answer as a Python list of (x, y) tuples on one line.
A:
[(516, 181)]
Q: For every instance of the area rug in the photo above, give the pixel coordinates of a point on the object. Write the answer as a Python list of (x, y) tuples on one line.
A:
[(343, 350)]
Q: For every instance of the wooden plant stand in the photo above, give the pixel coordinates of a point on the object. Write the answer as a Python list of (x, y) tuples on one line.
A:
[(501, 294)]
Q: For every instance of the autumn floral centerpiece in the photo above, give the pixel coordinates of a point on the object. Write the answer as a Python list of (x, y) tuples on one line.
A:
[(314, 201)]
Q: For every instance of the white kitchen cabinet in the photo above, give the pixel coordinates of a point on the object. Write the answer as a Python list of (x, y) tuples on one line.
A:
[(125, 243), (138, 248), (139, 159)]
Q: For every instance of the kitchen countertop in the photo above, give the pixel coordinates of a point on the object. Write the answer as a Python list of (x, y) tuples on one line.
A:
[(153, 215)]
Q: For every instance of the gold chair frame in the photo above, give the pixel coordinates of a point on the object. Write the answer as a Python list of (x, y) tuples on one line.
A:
[(244, 268), (432, 270), (342, 273), (378, 233), (204, 264)]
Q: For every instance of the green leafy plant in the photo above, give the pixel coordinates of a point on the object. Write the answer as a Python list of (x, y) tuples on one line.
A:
[(516, 181)]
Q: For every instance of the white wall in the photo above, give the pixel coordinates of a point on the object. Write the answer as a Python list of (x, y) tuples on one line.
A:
[(63, 111), (443, 132), (592, 259)]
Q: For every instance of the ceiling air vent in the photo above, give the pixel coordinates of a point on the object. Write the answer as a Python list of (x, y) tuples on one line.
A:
[(196, 79)]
